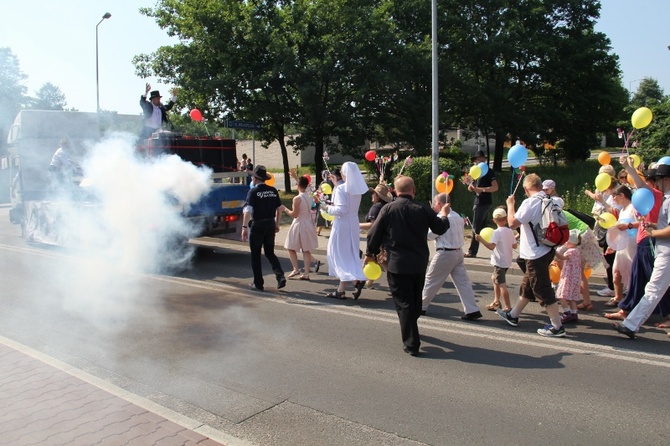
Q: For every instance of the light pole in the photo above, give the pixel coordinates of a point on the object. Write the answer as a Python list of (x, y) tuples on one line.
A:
[(630, 86), (97, 78)]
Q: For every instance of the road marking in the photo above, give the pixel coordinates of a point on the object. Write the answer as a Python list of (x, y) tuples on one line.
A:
[(472, 330)]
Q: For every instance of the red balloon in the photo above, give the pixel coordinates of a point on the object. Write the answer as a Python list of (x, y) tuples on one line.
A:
[(196, 115), (370, 155), (309, 178)]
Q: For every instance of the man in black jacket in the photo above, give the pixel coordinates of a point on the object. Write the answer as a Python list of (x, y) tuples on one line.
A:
[(401, 227), (155, 113)]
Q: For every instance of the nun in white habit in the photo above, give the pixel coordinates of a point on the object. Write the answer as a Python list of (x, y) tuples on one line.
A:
[(344, 260)]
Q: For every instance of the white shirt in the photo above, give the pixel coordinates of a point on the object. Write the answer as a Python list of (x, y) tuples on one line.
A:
[(503, 254), (453, 238), (155, 120), (530, 211)]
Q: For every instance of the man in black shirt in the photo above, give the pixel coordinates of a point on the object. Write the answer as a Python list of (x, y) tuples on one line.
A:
[(401, 227), (260, 223), (483, 187)]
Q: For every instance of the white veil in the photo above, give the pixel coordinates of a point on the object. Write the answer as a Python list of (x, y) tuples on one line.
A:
[(354, 183)]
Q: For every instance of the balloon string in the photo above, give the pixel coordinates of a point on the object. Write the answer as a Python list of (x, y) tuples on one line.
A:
[(517, 185)]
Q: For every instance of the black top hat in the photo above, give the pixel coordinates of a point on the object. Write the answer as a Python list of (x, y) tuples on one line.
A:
[(662, 171), (261, 173), (155, 94), (478, 154)]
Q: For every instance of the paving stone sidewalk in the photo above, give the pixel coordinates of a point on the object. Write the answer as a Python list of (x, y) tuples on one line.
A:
[(45, 405)]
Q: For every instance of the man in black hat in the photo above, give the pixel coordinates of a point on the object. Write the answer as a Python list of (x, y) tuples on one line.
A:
[(483, 187), (262, 213), (155, 113)]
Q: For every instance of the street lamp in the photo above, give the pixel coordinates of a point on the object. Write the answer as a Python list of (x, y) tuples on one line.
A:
[(630, 86), (97, 78)]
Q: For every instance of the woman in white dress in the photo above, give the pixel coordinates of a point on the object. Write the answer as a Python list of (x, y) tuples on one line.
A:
[(343, 252)]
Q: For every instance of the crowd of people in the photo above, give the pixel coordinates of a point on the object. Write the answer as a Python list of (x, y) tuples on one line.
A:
[(401, 227)]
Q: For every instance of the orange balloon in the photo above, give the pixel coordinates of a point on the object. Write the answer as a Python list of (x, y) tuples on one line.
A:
[(441, 184), (554, 273), (450, 185), (271, 181), (604, 158), (587, 272)]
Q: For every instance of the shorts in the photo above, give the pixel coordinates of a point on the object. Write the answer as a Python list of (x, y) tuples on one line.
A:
[(499, 275), (536, 284)]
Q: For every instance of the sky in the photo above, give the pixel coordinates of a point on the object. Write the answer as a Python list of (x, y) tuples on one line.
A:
[(55, 42)]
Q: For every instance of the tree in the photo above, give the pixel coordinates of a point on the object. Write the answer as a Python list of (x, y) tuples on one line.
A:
[(49, 97), (12, 91), (648, 92)]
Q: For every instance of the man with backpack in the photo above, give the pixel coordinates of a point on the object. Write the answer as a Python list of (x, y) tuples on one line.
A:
[(536, 284)]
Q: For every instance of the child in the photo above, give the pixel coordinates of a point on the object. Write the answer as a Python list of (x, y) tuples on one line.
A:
[(502, 244), (568, 292)]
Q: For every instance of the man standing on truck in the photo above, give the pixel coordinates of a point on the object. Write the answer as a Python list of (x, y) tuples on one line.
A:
[(62, 168), (155, 113), (260, 223)]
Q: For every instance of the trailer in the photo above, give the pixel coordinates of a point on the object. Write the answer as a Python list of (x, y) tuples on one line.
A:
[(37, 204)]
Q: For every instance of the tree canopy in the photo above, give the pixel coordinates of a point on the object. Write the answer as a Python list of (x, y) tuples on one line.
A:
[(49, 97), (12, 91), (342, 72)]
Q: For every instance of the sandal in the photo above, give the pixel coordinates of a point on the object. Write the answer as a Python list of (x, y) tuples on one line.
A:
[(585, 307), (336, 295), (304, 277), (294, 273), (493, 306), (359, 288), (612, 303), (618, 316)]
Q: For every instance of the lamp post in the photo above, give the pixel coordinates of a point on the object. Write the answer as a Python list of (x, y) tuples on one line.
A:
[(630, 86), (97, 78)]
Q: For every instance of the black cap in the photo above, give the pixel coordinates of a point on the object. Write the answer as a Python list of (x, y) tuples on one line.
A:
[(661, 171)]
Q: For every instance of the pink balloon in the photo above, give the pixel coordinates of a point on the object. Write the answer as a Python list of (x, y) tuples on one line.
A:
[(196, 115)]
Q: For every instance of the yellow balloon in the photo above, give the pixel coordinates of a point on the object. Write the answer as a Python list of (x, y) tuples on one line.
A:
[(606, 220), (641, 118), (326, 188), (441, 184), (486, 234), (271, 181), (554, 273), (475, 172), (372, 271), (603, 181), (326, 215), (636, 160)]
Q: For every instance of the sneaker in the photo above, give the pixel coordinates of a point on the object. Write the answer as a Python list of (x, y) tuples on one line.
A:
[(513, 321), (569, 317), (550, 331), (605, 292)]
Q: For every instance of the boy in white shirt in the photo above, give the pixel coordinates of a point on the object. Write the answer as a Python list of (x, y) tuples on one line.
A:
[(502, 246)]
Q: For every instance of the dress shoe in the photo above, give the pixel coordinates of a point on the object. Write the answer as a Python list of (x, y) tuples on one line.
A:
[(423, 312), (410, 351), (472, 316), (621, 328), (281, 282), (254, 287)]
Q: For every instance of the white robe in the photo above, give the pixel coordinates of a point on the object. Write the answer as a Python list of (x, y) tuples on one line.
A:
[(343, 255)]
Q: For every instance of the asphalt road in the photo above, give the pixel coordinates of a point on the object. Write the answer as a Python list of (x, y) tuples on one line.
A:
[(293, 367)]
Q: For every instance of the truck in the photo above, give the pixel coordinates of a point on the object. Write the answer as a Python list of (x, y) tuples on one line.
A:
[(36, 203)]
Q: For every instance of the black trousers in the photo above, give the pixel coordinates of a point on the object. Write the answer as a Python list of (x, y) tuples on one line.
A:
[(262, 235), (406, 290), (479, 215)]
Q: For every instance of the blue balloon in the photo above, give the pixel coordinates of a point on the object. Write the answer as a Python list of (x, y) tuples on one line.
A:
[(484, 168), (517, 155), (664, 160), (643, 201), (631, 232)]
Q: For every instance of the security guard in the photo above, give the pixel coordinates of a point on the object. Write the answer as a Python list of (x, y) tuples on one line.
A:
[(260, 223)]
